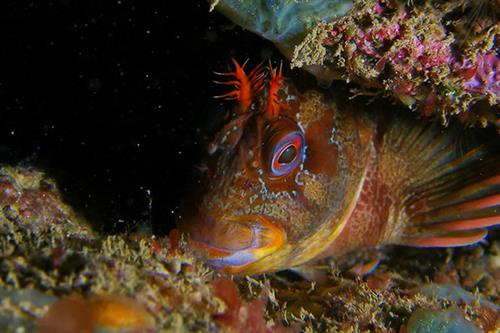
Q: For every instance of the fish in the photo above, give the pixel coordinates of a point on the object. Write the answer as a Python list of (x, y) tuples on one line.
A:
[(298, 174)]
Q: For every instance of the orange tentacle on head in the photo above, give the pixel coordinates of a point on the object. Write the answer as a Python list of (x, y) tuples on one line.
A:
[(245, 86), (273, 105)]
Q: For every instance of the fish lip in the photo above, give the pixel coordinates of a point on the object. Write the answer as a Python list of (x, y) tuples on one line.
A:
[(266, 237), (235, 261)]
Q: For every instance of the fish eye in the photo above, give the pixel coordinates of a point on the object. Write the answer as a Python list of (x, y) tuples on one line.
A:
[(287, 154)]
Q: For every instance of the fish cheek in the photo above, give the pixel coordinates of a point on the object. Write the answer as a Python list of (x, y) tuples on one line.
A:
[(322, 150)]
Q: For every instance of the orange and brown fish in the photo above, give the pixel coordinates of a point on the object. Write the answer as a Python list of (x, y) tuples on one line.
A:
[(300, 175)]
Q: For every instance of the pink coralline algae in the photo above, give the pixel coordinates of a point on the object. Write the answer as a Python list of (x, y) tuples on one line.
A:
[(242, 316), (425, 55), (481, 76)]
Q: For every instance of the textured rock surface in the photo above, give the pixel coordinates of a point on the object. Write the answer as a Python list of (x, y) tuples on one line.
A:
[(438, 57)]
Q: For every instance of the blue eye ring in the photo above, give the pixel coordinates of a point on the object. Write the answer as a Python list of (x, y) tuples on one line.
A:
[(288, 154)]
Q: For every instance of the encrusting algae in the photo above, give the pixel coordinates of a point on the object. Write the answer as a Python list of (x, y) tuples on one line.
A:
[(55, 273), (438, 57)]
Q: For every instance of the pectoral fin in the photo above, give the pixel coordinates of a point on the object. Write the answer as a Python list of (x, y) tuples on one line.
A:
[(451, 192)]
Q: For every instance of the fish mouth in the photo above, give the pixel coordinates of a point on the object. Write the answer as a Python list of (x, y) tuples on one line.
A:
[(233, 243)]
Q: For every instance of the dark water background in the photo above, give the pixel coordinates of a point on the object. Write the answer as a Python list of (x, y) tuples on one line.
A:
[(113, 98)]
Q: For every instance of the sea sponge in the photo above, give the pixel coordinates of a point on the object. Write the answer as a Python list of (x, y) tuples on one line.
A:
[(283, 22)]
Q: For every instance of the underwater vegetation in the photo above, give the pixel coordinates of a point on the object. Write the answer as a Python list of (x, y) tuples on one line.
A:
[(438, 57), (56, 275)]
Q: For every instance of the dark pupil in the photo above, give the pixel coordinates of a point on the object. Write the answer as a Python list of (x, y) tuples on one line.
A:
[(288, 155)]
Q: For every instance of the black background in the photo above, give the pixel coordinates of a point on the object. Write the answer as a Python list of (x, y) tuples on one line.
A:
[(114, 99)]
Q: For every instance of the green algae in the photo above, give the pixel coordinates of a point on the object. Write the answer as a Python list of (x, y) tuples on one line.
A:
[(19, 309), (445, 321), (453, 293)]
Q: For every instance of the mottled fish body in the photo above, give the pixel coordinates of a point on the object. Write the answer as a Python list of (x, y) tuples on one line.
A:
[(296, 176)]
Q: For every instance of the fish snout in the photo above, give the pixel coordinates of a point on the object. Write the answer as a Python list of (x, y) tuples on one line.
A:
[(232, 243)]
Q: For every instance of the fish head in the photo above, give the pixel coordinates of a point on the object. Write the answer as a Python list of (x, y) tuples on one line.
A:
[(279, 182)]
